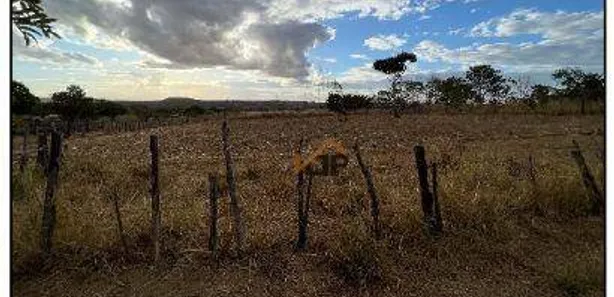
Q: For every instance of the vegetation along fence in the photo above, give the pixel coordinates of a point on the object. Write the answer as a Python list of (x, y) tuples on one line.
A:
[(327, 160)]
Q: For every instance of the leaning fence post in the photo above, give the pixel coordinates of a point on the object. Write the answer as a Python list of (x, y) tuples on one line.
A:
[(427, 197), (235, 203), (49, 203), (214, 193), (372, 193), (596, 196), (155, 197)]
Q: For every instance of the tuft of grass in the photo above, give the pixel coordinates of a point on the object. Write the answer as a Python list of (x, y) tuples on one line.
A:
[(24, 186), (357, 258), (579, 278)]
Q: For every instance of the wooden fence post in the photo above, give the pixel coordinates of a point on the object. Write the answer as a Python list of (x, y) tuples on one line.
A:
[(301, 242), (155, 197), (214, 193), (436, 208), (597, 199), (305, 222), (427, 196), (49, 203), (235, 203), (372, 193)]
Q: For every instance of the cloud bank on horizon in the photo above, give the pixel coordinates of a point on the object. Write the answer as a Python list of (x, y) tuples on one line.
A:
[(283, 49)]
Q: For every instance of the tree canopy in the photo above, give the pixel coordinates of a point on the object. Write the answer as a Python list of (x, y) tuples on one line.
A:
[(72, 104), (396, 64), (452, 91), (578, 84), (394, 67), (488, 83), (22, 100)]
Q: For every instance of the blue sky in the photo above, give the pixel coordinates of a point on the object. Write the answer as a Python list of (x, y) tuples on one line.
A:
[(286, 49)]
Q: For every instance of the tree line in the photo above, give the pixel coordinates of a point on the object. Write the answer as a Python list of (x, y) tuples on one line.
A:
[(481, 84), (73, 104)]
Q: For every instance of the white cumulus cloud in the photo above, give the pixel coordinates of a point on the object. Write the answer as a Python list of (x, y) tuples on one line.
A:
[(384, 42), (550, 25)]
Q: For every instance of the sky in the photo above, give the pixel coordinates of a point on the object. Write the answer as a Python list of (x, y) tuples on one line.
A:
[(289, 49)]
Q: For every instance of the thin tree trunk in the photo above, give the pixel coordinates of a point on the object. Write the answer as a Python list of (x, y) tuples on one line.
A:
[(366, 172), (118, 217), (235, 203), (49, 215)]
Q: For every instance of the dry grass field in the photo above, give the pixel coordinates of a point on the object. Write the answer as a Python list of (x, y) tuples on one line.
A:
[(503, 235)]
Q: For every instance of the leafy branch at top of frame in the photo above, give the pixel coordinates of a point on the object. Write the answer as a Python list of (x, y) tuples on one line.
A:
[(30, 19)]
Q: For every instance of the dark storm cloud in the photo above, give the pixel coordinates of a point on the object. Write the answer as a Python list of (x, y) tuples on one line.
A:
[(197, 33)]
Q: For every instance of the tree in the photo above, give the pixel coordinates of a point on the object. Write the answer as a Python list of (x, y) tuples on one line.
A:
[(335, 87), (579, 85), (72, 104), (357, 101), (22, 101), (106, 108), (339, 102), (30, 19), (194, 110), (334, 103), (335, 97), (488, 84), (394, 67), (520, 87), (540, 94), (412, 90), (453, 91), (593, 86), (571, 81), (142, 112)]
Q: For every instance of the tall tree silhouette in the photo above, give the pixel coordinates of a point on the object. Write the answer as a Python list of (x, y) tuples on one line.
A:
[(394, 67), (72, 104)]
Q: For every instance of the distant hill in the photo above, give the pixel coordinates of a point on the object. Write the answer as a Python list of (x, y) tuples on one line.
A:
[(244, 105), (179, 101)]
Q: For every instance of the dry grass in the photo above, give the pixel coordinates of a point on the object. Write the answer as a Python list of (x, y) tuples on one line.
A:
[(504, 235)]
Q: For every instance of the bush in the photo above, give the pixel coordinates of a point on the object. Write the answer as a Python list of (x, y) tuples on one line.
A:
[(343, 103)]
